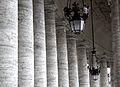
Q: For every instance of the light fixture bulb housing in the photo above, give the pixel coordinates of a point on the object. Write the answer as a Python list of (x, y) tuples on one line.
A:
[(76, 17)]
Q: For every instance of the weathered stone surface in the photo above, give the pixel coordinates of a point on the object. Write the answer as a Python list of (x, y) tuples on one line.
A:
[(39, 44), (51, 48), (115, 15), (82, 66), (103, 73), (26, 53), (63, 77), (113, 60), (72, 60), (8, 43)]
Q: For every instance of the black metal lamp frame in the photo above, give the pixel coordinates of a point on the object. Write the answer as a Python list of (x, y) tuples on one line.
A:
[(76, 16)]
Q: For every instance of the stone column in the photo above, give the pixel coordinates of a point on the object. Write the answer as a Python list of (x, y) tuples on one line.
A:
[(63, 77), (103, 73), (39, 44), (26, 52), (82, 65), (72, 60), (112, 67), (51, 48), (8, 43), (115, 16)]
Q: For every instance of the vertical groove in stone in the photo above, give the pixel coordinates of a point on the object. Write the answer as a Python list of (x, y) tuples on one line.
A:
[(63, 78), (82, 66), (8, 43), (112, 74), (115, 74), (26, 52), (113, 59), (103, 73), (51, 48), (72, 60), (39, 44)]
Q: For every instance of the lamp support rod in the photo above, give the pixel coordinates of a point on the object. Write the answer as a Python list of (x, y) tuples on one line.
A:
[(68, 3), (92, 25), (83, 2)]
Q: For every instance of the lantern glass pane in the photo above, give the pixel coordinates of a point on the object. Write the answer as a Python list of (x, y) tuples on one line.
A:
[(82, 25), (77, 24), (95, 77), (71, 25)]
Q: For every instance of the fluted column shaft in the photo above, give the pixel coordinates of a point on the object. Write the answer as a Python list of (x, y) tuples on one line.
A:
[(116, 42), (51, 48), (39, 44), (63, 78), (26, 52), (112, 68), (8, 43), (72, 60), (103, 73), (82, 66)]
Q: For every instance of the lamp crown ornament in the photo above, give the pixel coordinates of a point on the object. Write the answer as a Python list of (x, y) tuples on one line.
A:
[(76, 16)]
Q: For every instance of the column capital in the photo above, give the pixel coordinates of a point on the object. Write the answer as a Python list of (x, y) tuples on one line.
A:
[(50, 5), (70, 35), (60, 22), (81, 43), (103, 58)]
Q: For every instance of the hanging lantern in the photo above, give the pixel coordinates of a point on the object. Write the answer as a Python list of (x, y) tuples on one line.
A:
[(94, 69), (76, 17)]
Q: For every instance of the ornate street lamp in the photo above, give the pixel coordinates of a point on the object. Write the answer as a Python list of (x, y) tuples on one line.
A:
[(76, 16), (94, 69)]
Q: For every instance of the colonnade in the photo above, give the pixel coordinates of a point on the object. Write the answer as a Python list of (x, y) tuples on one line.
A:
[(37, 51)]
